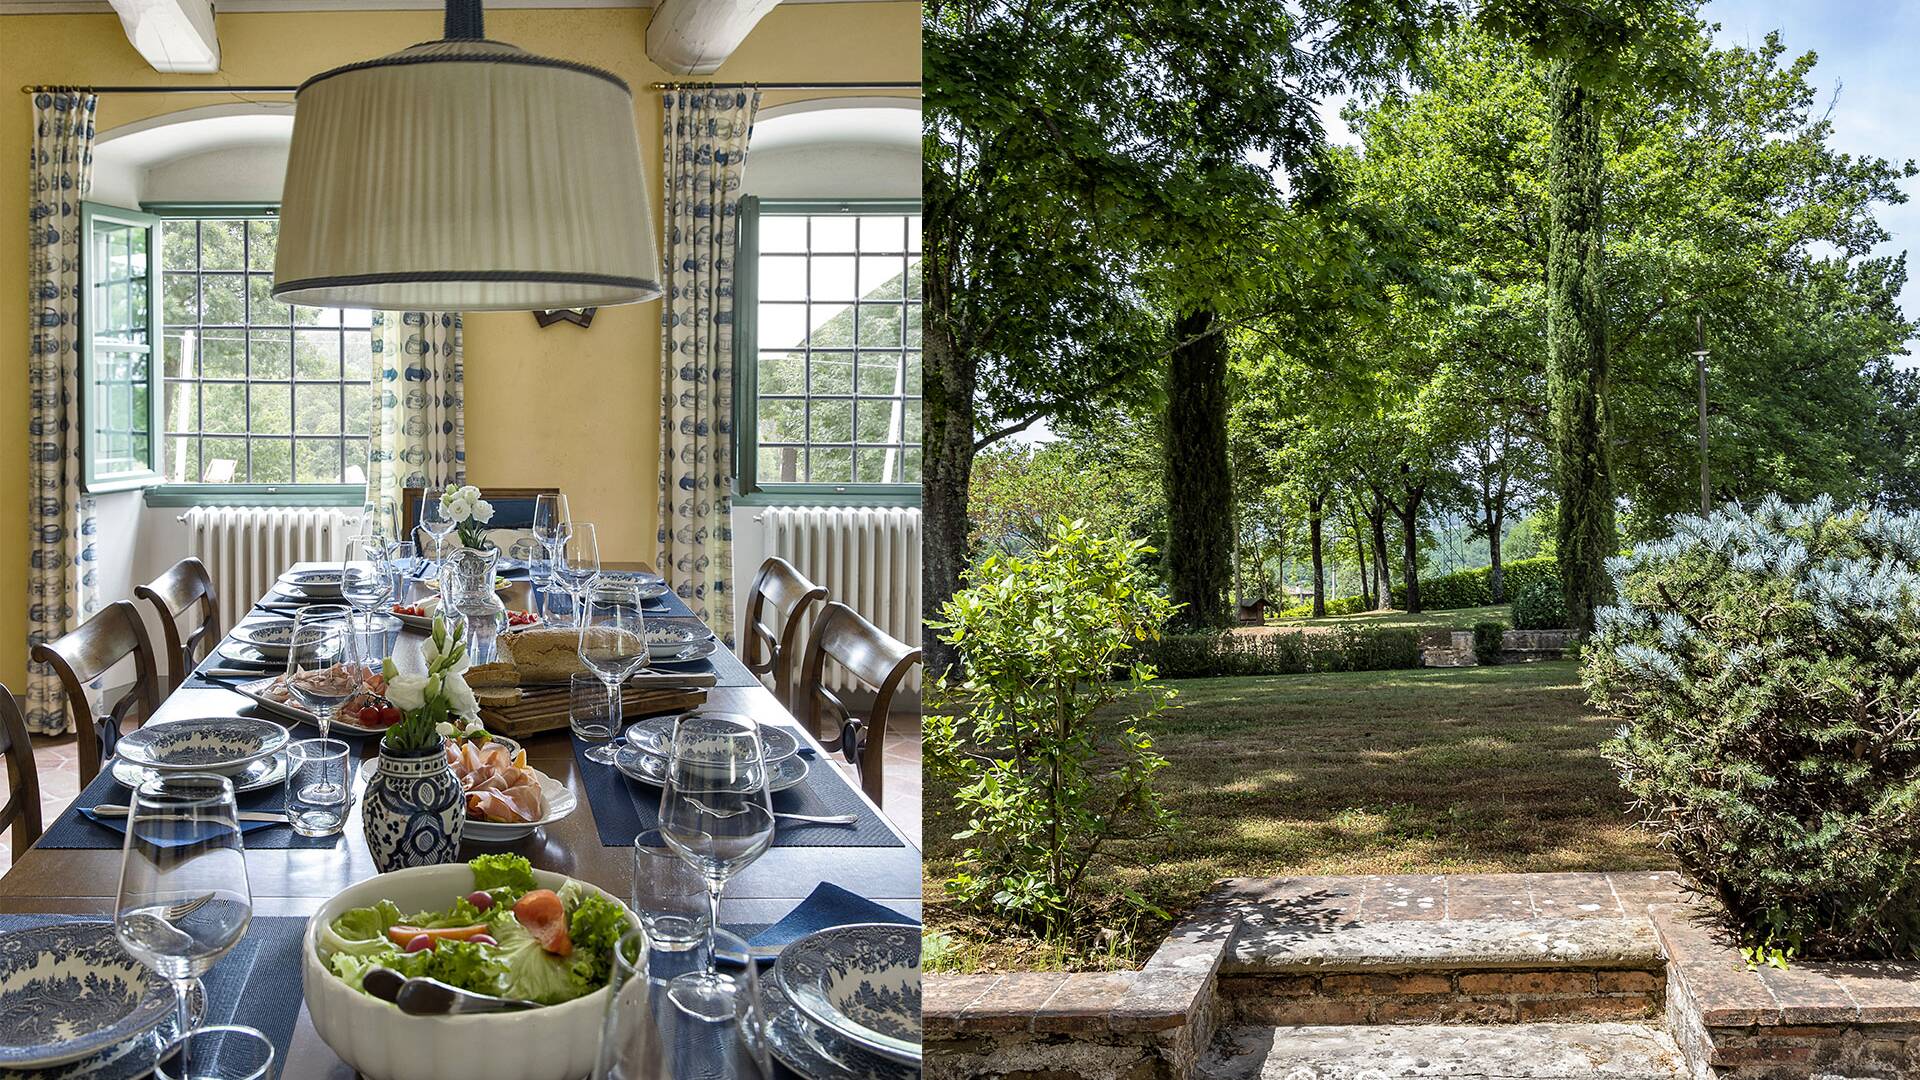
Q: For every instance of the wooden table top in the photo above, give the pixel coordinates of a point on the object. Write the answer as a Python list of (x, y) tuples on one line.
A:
[(296, 881)]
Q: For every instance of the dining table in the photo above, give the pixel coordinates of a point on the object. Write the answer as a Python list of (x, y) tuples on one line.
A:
[(295, 881)]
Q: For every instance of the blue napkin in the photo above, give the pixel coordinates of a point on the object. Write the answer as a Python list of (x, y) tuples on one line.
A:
[(828, 906), (119, 824)]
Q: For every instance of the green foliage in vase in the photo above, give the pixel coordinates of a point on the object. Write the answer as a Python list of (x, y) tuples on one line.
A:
[(1765, 666), (429, 701), (1044, 738)]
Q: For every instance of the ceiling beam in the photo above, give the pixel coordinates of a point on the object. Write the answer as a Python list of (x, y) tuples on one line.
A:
[(172, 35), (694, 37)]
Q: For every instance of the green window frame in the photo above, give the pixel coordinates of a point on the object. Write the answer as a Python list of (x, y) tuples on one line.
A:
[(119, 330), (881, 409)]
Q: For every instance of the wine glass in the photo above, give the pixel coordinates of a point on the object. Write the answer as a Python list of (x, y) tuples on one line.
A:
[(577, 563), (366, 574), (433, 515), (403, 556), (551, 522), (373, 521), (323, 669), (183, 900), (646, 1036), (613, 645), (714, 813)]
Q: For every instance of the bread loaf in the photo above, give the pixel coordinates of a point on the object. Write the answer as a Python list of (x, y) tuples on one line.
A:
[(544, 654), (497, 674)]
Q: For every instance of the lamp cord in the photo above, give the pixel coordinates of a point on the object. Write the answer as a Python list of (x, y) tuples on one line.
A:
[(466, 21)]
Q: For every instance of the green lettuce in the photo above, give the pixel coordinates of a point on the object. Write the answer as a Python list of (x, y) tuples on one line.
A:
[(595, 925), (503, 871), (532, 972)]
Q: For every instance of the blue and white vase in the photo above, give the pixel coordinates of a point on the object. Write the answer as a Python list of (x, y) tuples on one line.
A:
[(414, 810)]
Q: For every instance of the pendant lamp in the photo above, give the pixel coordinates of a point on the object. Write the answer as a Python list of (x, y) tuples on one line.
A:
[(465, 175)]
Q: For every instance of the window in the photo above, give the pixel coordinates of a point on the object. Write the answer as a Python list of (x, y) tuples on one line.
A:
[(828, 350), (118, 404)]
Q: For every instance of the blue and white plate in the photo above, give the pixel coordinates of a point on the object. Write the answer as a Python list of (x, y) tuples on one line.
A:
[(652, 769), (129, 1060), (862, 982), (218, 744), (316, 582), (666, 642), (654, 735), (264, 773), (70, 991), (811, 1050), (687, 654)]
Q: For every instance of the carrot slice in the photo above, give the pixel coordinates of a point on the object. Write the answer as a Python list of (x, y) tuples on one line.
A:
[(400, 935), (545, 917)]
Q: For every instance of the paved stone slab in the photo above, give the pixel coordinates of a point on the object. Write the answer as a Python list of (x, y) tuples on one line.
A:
[(1456, 1052), (1455, 944)]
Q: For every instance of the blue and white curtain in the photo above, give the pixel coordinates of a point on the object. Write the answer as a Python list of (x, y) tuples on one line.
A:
[(706, 154), (62, 591), (420, 429)]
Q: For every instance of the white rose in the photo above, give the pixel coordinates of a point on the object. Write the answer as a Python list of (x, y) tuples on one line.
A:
[(482, 511), (433, 652), (460, 695), (458, 508), (470, 494), (407, 691)]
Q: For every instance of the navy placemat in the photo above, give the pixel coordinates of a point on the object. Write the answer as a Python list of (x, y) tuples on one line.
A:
[(257, 984), (72, 829), (827, 906), (623, 809)]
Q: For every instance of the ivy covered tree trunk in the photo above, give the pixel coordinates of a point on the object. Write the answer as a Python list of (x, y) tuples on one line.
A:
[(1199, 481), (1314, 507), (947, 470), (1577, 347)]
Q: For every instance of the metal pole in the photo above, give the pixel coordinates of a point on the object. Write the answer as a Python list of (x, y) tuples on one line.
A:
[(1700, 373)]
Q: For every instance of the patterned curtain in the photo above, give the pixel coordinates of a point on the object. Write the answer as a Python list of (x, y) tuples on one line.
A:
[(61, 589), (419, 428), (706, 152)]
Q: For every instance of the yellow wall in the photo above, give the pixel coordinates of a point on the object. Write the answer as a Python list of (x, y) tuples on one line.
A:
[(543, 406)]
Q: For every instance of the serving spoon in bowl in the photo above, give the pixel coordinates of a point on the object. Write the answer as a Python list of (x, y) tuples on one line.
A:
[(421, 996)]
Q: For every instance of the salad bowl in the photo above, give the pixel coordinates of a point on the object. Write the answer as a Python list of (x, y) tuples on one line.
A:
[(553, 1042), (216, 744), (69, 991), (862, 982)]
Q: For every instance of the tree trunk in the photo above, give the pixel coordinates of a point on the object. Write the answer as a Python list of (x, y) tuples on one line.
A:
[(1577, 347), (947, 426), (1319, 568), (1496, 577), (1360, 558), (1382, 583), (1410, 545), (1199, 480)]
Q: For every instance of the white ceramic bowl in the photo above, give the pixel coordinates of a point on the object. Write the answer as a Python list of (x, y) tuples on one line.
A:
[(558, 1042)]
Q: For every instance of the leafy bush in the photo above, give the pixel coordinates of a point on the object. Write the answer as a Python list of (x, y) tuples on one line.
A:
[(1351, 648), (1345, 605), (1540, 606), (1474, 588), (1045, 772), (1487, 640), (1767, 668)]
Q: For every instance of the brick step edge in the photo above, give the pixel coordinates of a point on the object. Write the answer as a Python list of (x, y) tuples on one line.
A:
[(1443, 997), (1276, 947), (1604, 1051)]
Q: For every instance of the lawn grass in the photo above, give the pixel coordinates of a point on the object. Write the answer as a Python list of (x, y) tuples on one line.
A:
[(1449, 619), (1460, 770)]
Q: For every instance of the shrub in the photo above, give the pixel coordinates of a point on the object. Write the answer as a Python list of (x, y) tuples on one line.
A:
[(1765, 666), (1540, 606), (1345, 605), (1487, 640), (1045, 773), (1474, 588), (1351, 648)]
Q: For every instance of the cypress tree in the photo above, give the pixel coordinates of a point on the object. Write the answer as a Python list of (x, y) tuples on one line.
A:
[(1199, 481)]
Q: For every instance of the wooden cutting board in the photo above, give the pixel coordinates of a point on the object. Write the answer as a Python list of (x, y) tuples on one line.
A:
[(544, 708)]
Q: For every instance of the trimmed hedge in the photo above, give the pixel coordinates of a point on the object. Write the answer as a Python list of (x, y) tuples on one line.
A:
[(1346, 605), (1487, 640), (1474, 588), (1193, 656), (1540, 606)]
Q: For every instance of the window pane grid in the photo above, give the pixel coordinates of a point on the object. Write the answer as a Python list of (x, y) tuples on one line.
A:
[(838, 369), (257, 391)]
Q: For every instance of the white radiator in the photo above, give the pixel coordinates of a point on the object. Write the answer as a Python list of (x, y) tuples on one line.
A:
[(867, 557), (247, 547)]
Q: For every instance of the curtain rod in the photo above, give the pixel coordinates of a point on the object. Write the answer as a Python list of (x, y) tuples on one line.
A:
[(790, 85), (291, 89)]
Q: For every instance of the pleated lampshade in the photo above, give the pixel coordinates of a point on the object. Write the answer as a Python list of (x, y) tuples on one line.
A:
[(465, 175)]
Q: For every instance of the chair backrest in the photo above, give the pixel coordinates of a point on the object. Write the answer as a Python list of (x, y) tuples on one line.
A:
[(85, 654), (186, 585), (22, 810), (776, 610), (512, 509), (879, 662)]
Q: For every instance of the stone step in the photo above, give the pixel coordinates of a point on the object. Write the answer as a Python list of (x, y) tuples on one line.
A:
[(1609, 1051)]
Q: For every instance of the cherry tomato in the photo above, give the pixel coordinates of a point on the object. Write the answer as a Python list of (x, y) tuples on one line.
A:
[(369, 715), (482, 901), (389, 714)]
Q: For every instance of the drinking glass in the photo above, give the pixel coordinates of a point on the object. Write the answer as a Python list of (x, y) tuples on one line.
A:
[(433, 516), (318, 780), (669, 895), (183, 899), (225, 1052), (577, 563), (551, 522), (403, 556), (322, 669), (588, 718), (532, 554), (366, 574), (648, 1036), (714, 813), (613, 645)]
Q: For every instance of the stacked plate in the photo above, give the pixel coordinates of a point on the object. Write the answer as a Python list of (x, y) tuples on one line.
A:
[(643, 755), (318, 584), (846, 1002), (74, 1004), (263, 642), (672, 645)]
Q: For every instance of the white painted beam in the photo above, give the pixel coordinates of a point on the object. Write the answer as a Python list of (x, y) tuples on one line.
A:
[(173, 35), (694, 37)]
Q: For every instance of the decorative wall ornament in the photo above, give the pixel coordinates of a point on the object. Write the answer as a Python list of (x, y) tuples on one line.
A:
[(580, 317)]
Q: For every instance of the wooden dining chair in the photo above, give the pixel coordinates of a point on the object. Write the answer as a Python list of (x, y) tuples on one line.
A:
[(85, 654), (776, 610), (879, 662), (186, 585), (22, 809)]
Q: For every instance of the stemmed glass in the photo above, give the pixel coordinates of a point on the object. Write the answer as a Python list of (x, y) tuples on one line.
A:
[(645, 1036), (577, 563), (434, 518), (183, 900), (551, 522), (613, 645), (313, 676), (366, 574), (714, 813)]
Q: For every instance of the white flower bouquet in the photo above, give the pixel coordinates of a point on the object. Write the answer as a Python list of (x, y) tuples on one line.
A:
[(437, 697), (469, 514)]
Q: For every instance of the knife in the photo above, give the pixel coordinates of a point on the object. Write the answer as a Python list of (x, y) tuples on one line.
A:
[(115, 810)]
